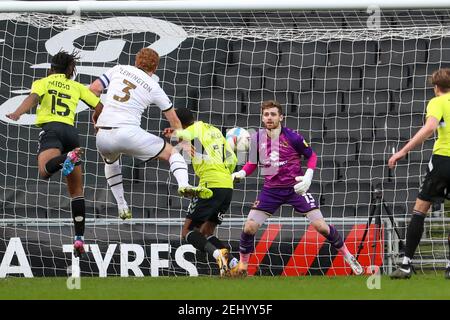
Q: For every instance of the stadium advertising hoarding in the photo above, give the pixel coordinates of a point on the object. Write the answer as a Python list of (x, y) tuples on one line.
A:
[(278, 252)]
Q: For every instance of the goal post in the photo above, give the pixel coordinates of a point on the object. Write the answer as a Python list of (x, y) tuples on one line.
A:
[(351, 78)]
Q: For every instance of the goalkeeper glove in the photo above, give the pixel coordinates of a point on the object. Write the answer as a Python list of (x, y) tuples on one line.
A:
[(238, 176), (304, 182)]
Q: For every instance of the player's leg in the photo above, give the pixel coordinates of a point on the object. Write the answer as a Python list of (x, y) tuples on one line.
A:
[(334, 238), (179, 169), (255, 220), (207, 229), (267, 202), (49, 162), (307, 205), (109, 144), (193, 236), (75, 188), (413, 237), (202, 218), (113, 175), (51, 159), (220, 204), (433, 188)]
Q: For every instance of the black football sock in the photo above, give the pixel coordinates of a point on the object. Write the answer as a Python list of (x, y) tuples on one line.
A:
[(219, 245), (200, 243), (78, 214), (414, 233)]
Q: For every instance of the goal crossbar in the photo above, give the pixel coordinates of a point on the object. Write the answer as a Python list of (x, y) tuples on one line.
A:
[(206, 5)]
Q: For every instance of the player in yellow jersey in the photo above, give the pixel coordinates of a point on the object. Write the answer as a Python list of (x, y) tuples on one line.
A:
[(57, 97), (213, 162), (437, 180)]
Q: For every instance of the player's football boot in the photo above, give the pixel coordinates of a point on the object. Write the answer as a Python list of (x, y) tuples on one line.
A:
[(233, 266), (222, 262), (354, 264), (193, 192), (403, 272), (73, 158), (78, 246), (124, 213), (447, 273), (241, 270)]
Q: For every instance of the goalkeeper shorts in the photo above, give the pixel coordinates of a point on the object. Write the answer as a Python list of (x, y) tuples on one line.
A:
[(270, 199)]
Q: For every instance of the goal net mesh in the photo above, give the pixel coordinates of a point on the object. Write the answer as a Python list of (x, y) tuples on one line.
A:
[(353, 83)]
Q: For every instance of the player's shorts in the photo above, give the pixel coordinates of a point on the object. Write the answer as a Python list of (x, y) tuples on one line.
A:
[(436, 183), (58, 135), (130, 140), (212, 209), (270, 199)]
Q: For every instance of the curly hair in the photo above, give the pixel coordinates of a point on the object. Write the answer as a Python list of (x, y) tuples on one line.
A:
[(147, 59), (64, 62)]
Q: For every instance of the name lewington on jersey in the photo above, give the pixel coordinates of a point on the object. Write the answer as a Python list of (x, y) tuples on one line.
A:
[(136, 78)]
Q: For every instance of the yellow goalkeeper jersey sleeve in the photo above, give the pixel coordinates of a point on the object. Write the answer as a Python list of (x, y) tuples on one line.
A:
[(214, 160), (439, 108), (59, 97)]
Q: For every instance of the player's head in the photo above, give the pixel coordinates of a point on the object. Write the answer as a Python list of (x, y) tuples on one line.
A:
[(272, 114), (64, 62), (186, 117), (147, 59), (440, 79)]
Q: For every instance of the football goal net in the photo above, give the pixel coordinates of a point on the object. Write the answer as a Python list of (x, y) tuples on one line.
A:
[(352, 81)]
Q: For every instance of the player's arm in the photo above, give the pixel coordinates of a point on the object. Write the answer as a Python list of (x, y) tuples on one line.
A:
[(101, 83), (38, 89), (423, 134), (247, 170), (252, 163), (305, 150), (30, 102), (92, 100), (172, 117), (97, 87), (185, 136)]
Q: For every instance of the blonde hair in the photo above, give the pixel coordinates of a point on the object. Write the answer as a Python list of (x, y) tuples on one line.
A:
[(147, 59)]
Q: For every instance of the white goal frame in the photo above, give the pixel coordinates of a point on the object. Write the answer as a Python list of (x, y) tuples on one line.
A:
[(201, 5)]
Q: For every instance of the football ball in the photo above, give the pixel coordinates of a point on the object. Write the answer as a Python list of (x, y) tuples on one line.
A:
[(239, 139)]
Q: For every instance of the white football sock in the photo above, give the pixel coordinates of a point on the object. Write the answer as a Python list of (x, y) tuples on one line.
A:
[(179, 169), (113, 174)]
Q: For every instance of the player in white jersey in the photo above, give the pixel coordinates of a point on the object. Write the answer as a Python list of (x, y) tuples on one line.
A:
[(131, 90)]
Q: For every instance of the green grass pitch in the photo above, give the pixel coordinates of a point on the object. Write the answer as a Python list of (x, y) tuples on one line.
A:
[(432, 287)]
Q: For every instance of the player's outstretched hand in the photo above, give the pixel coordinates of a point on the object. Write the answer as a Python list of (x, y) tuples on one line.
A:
[(238, 176), (13, 116), (393, 160), (304, 182)]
